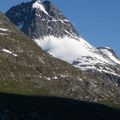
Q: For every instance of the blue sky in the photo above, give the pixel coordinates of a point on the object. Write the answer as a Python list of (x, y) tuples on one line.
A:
[(98, 21)]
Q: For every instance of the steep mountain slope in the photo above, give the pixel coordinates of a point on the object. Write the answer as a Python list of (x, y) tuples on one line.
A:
[(26, 67), (53, 32)]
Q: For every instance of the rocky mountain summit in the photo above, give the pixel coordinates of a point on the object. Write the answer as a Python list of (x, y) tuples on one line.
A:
[(38, 19)]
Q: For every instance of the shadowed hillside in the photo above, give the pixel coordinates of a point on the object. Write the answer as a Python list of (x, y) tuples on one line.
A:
[(18, 107)]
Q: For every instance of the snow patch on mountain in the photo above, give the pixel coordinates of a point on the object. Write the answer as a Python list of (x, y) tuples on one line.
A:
[(9, 52), (37, 5), (108, 53), (3, 34), (77, 52), (3, 29), (69, 50)]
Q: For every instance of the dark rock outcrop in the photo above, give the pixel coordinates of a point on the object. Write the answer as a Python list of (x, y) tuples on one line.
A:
[(37, 23)]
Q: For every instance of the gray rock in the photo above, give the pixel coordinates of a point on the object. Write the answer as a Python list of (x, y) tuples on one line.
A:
[(36, 23)]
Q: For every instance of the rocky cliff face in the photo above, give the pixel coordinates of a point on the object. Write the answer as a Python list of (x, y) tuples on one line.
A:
[(38, 19)]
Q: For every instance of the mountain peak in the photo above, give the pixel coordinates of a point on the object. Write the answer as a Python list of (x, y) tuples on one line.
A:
[(38, 19), (37, 5)]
